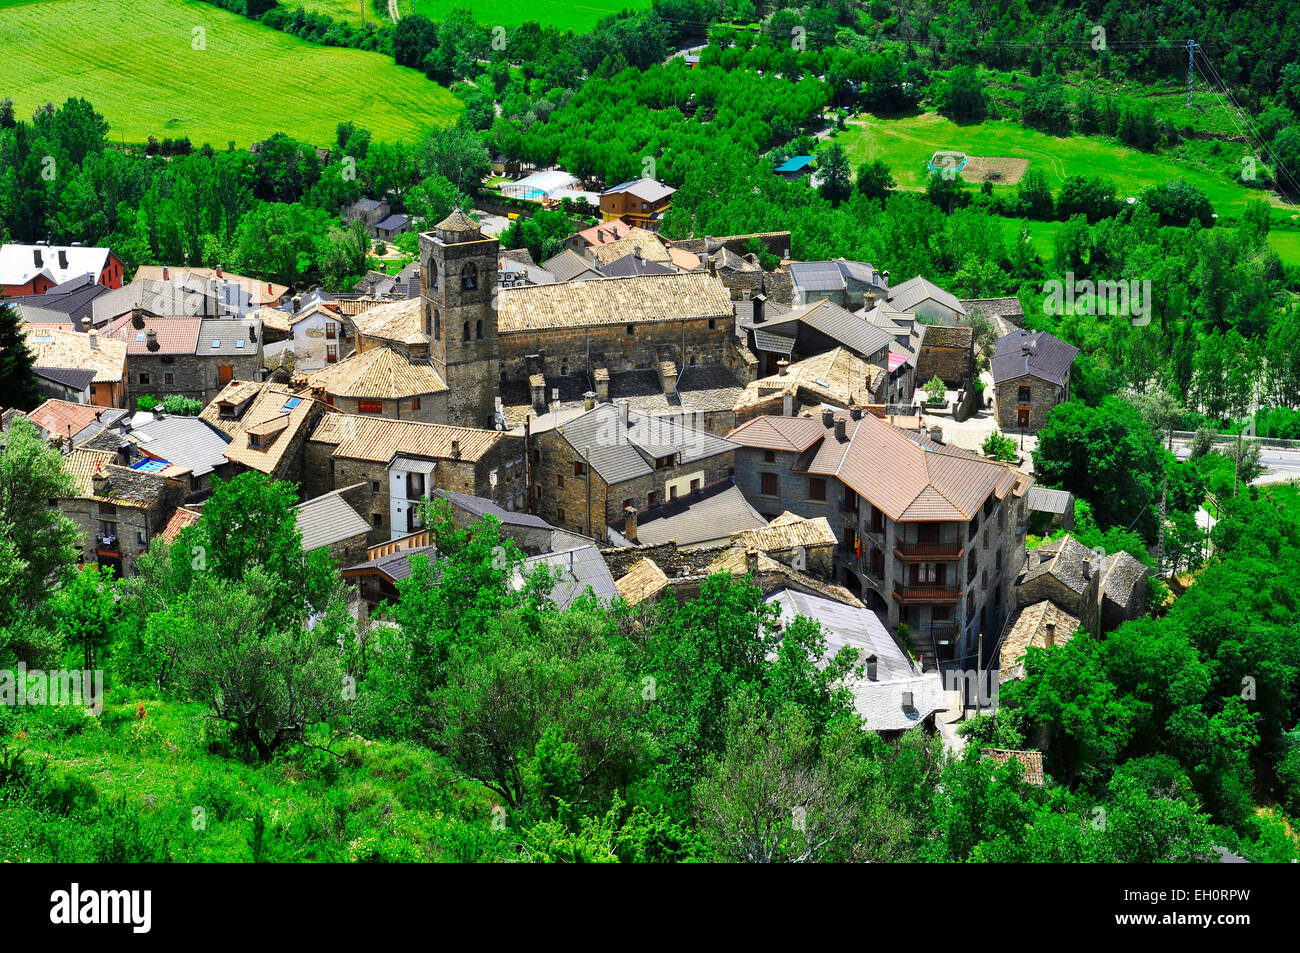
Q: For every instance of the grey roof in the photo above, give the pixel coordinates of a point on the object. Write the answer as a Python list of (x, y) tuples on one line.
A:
[(223, 337), (1122, 575), (185, 441), (912, 292), (1032, 354), (621, 452), (630, 265), (647, 190), (74, 377), (853, 331), (1043, 500), (881, 703), (744, 310), (413, 464), (858, 628), (479, 506), (579, 567), (328, 519), (67, 302), (396, 220), (396, 565), (187, 297), (568, 265), (813, 276), (1063, 558), (700, 517)]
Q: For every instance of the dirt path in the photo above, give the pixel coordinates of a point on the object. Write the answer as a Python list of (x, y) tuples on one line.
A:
[(393, 13)]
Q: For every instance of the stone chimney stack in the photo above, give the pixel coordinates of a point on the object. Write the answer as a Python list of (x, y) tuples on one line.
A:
[(751, 562), (872, 667), (782, 367), (455, 449), (99, 482), (589, 400), (828, 417), (1049, 637), (787, 403), (627, 414), (841, 433), (151, 339), (629, 526), (871, 300)]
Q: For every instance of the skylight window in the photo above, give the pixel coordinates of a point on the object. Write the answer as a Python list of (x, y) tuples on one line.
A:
[(139, 336), (239, 343), (290, 404), (216, 344)]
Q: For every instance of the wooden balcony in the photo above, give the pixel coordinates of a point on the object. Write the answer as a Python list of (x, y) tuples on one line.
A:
[(925, 594), (928, 552)]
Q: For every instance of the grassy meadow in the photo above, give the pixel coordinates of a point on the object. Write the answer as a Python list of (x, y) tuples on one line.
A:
[(576, 15), (193, 69)]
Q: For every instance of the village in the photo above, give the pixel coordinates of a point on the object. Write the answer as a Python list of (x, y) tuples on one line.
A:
[(638, 414)]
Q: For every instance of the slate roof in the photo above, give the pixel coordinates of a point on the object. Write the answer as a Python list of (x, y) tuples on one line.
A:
[(379, 439), (580, 567), (479, 506), (1044, 500), (620, 452), (379, 373), (568, 265), (910, 293), (856, 628), (881, 703), (328, 519), (698, 518), (849, 329), (941, 335), (636, 300), (66, 304), (186, 442), (1030, 629), (396, 220), (1123, 576), (1062, 558), (138, 489), (1032, 354), (186, 297), (75, 378), (395, 566), (259, 292), (630, 264), (229, 338)]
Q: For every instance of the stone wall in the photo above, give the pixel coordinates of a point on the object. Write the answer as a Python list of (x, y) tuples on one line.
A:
[(192, 375), (565, 350), (1043, 397)]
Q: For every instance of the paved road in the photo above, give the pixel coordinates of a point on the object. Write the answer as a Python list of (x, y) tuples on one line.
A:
[(1279, 465)]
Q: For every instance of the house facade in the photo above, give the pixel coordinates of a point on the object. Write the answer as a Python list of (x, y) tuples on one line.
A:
[(1031, 375)]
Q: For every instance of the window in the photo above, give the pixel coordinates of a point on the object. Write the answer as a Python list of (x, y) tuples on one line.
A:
[(630, 331), (169, 379), (768, 484), (478, 330), (559, 480), (468, 277), (713, 323), (626, 503), (1023, 395), (465, 333), (374, 486), (370, 406), (437, 324), (331, 331), (377, 519), (107, 509), (415, 403), (140, 537), (579, 468), (816, 488), (559, 515), (144, 378), (225, 373), (998, 561), (940, 613), (769, 456), (537, 457), (331, 353), (650, 498)]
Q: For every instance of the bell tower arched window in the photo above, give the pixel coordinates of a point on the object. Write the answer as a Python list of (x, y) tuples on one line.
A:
[(478, 329), (437, 324), (465, 335), (469, 277)]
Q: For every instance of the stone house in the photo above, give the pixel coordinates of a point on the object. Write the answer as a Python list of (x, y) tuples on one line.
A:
[(382, 381), (191, 357), (930, 535), (590, 469), (404, 461), (307, 340), (923, 297), (268, 425), (1067, 574), (1031, 375), (947, 353), (845, 283)]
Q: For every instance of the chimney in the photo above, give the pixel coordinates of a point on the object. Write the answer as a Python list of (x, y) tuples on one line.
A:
[(627, 414), (166, 273), (885, 275), (713, 267), (828, 417), (907, 702), (782, 367), (63, 258), (936, 434), (1049, 637), (36, 258), (297, 303), (151, 339), (99, 482), (137, 318), (219, 274), (871, 300), (629, 526), (872, 667), (751, 562), (123, 453), (876, 410), (455, 449), (855, 412), (787, 403), (589, 400), (759, 299), (841, 434)]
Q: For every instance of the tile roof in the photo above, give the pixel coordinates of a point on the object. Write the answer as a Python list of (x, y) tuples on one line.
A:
[(1032, 354), (837, 376), (328, 519), (645, 580), (180, 519), (137, 489), (379, 439), (698, 518), (788, 531), (906, 475), (635, 300), (650, 246), (56, 347), (397, 321), (379, 373), (268, 413), (910, 293), (1030, 629), (60, 418), (175, 335), (1030, 761), (605, 232)]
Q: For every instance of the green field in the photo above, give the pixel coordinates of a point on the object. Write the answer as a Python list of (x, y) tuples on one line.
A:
[(907, 144), (137, 64), (348, 11), (576, 15)]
